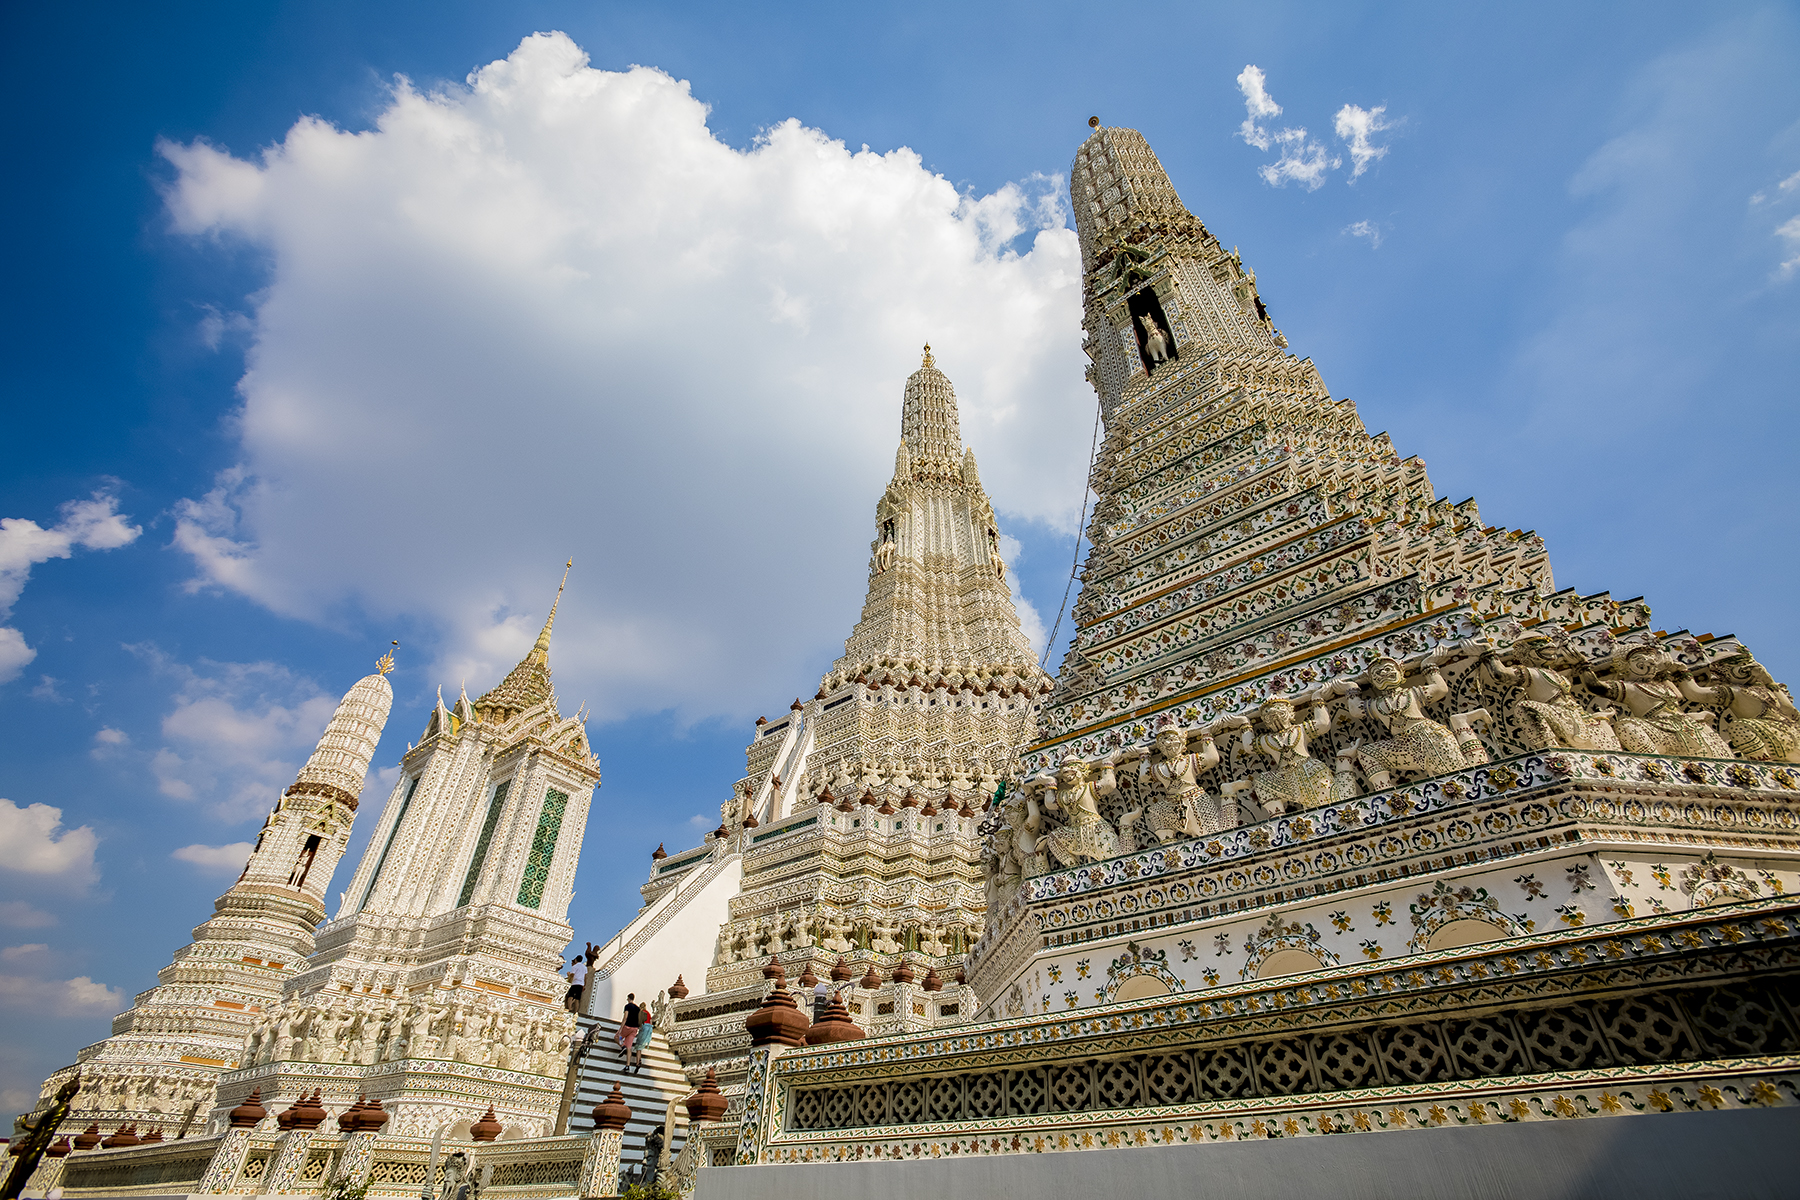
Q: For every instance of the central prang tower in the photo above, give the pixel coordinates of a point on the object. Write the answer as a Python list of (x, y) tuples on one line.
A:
[(849, 851)]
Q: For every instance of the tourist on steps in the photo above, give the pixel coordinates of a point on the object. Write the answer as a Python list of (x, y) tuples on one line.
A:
[(628, 1028), (634, 1058)]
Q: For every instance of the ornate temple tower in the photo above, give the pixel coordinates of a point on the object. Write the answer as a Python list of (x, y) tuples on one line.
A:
[(437, 988), (159, 1067), (1264, 577), (854, 827)]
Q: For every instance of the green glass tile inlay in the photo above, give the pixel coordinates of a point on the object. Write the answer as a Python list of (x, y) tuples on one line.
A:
[(481, 844), (543, 849), (405, 803)]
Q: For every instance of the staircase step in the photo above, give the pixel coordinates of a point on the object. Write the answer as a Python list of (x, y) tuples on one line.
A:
[(647, 1092)]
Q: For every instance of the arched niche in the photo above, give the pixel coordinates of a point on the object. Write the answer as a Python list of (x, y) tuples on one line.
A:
[(1464, 932), (459, 1132), (1140, 987), (1287, 962), (1145, 309), (512, 1133)]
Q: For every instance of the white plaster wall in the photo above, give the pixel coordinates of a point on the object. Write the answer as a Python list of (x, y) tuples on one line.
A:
[(683, 946)]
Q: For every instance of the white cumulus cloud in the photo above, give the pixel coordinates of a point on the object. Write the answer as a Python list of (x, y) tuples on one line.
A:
[(91, 524), (222, 859), (549, 313), (33, 842), (1356, 125)]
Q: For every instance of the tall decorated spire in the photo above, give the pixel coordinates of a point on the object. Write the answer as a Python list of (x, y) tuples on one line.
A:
[(892, 762), (528, 684), (937, 592)]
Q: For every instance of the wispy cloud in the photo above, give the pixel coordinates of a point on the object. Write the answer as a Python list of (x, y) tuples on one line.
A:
[(237, 733), (91, 524), (1356, 125), (1302, 160), (17, 914), (77, 997), (1258, 105), (1365, 229), (1789, 232), (219, 859), (1787, 187), (1031, 622)]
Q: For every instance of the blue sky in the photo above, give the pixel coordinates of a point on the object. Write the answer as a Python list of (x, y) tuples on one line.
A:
[(299, 359)]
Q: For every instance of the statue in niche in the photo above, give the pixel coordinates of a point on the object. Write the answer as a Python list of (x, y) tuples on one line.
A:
[(1074, 791), (1181, 807), (1417, 743), (1156, 339), (885, 551), (1546, 710), (1295, 779), (1644, 685), (1760, 720), (994, 559)]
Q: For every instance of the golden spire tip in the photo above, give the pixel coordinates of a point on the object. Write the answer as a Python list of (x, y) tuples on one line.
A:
[(543, 641), (929, 361)]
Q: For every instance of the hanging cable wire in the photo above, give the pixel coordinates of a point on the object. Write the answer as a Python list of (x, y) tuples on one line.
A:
[(1075, 559), (1062, 608)]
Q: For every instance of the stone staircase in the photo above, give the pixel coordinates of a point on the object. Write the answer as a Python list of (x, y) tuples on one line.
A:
[(648, 1091)]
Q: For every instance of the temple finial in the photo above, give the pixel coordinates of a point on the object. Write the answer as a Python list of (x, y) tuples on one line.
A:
[(385, 663), (929, 361), (543, 641)]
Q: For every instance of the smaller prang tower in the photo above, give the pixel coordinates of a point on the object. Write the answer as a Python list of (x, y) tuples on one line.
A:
[(159, 1068), (438, 988)]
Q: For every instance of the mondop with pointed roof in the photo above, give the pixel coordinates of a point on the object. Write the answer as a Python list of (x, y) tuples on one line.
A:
[(447, 945)]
